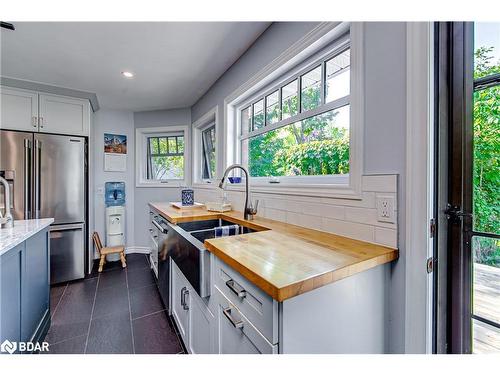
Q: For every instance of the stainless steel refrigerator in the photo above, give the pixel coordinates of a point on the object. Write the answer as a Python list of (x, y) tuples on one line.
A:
[(48, 177)]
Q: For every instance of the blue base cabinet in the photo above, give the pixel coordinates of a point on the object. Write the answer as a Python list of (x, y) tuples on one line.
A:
[(10, 294), (25, 290)]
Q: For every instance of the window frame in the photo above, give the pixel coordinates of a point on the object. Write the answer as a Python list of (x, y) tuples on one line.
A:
[(206, 121), (150, 155), (204, 154), (281, 72), (142, 155)]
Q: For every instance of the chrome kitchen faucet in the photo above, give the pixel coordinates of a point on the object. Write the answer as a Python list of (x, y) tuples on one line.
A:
[(249, 209)]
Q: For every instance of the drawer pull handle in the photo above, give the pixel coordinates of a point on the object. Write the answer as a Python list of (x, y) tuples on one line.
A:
[(236, 289), (184, 293), (236, 324)]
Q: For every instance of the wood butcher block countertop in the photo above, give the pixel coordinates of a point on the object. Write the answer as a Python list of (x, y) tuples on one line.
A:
[(282, 259)]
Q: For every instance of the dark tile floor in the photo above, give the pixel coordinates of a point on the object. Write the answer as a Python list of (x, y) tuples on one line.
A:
[(116, 311)]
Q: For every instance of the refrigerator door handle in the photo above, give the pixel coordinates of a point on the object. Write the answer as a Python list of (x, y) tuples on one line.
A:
[(38, 150), (62, 227), (27, 179)]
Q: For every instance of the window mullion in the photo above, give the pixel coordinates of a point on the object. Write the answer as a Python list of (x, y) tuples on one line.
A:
[(299, 94), (323, 82), (280, 115)]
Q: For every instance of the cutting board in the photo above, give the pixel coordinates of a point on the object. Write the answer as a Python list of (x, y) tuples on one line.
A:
[(180, 206)]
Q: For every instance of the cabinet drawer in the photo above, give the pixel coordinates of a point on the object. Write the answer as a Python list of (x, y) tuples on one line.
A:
[(236, 335), (257, 306)]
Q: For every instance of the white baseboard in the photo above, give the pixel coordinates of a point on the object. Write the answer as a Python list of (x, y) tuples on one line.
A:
[(137, 250)]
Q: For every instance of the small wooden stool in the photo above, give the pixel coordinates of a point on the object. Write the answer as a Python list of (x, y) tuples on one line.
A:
[(103, 251)]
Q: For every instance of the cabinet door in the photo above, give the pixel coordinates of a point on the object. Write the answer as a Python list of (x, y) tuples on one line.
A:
[(19, 109), (201, 323), (34, 284), (10, 294), (62, 115), (236, 335), (180, 302)]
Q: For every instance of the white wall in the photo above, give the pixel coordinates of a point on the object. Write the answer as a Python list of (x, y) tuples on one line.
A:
[(144, 195), (115, 122)]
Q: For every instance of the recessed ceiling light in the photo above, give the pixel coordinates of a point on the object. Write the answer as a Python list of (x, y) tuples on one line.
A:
[(128, 74)]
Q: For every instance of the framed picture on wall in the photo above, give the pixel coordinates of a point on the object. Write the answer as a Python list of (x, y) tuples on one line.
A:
[(115, 152)]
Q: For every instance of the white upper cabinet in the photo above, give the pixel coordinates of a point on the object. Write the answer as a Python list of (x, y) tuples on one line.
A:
[(18, 109), (62, 115), (46, 113)]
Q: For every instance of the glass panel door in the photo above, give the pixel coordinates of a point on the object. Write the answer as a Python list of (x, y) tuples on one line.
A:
[(486, 189)]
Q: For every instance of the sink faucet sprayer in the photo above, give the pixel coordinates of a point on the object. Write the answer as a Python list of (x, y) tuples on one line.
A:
[(249, 209), (7, 220)]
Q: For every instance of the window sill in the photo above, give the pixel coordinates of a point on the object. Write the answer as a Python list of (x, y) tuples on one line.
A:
[(308, 190), (156, 184), (206, 185)]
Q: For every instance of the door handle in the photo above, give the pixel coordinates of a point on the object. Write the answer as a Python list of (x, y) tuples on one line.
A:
[(236, 323), (38, 151), (27, 179), (236, 289)]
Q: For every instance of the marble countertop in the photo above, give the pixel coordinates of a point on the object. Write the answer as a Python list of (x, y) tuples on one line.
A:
[(22, 230)]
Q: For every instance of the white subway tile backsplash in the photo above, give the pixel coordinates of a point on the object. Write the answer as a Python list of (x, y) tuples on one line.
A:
[(385, 236), (354, 218), (307, 221), (323, 210), (273, 214), (282, 204), (381, 183), (349, 229)]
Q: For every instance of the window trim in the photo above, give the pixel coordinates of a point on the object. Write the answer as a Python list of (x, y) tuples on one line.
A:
[(204, 122), (282, 71), (141, 158)]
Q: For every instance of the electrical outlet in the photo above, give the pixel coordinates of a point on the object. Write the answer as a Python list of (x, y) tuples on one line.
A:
[(385, 209)]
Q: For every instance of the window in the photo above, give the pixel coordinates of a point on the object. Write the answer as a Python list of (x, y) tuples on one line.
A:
[(208, 154), (310, 139), (289, 95), (205, 144), (310, 95), (161, 156), (318, 145), (166, 158), (258, 115)]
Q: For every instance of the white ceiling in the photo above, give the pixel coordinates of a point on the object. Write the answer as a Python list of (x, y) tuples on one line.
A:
[(175, 63)]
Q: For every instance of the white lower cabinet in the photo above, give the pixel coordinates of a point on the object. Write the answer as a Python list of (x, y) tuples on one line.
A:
[(201, 327), (180, 302), (236, 335), (214, 324), (193, 318)]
